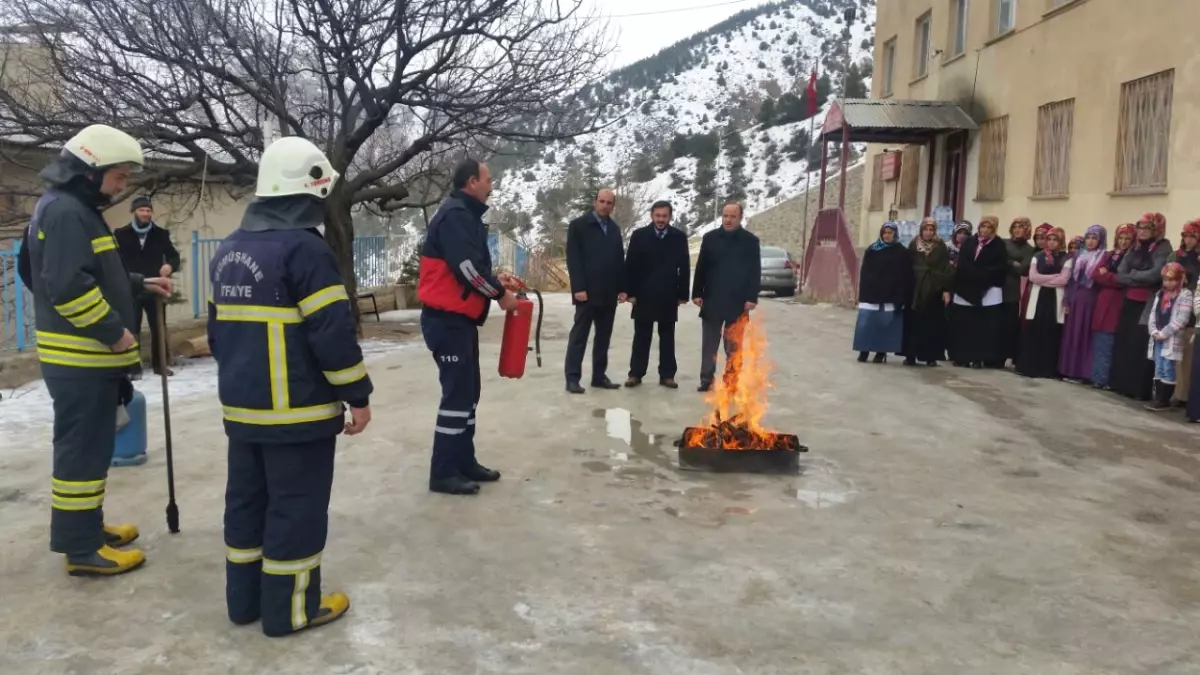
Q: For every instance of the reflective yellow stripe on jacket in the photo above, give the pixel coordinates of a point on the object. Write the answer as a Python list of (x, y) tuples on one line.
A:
[(281, 411), (61, 349), (105, 243), (323, 298)]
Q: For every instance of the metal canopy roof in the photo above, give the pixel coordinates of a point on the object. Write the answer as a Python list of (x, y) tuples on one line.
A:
[(889, 121)]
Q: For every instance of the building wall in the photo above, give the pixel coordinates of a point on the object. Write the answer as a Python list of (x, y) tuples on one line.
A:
[(783, 225), (1082, 49)]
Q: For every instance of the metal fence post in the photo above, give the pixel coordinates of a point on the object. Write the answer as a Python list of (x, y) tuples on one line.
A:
[(19, 300), (195, 274)]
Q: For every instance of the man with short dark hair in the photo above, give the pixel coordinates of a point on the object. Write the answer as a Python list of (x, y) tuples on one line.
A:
[(146, 249), (596, 265), (727, 283), (656, 274), (456, 287)]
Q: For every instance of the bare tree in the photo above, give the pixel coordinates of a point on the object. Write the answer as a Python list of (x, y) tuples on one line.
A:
[(634, 199), (391, 90)]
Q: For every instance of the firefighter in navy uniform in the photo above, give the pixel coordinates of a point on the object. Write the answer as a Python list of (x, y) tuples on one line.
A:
[(85, 304), (282, 331), (456, 287)]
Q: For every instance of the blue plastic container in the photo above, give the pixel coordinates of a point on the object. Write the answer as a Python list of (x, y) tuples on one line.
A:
[(130, 448)]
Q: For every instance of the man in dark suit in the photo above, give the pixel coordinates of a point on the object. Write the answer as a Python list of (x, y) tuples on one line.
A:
[(146, 249), (596, 265), (728, 279), (657, 267)]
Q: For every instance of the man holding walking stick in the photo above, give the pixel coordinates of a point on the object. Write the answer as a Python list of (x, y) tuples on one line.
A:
[(85, 307)]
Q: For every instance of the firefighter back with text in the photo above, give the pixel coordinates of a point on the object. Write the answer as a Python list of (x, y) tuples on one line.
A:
[(456, 288), (85, 304), (281, 328)]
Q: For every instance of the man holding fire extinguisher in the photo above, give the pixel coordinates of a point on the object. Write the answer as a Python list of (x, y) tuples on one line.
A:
[(456, 287)]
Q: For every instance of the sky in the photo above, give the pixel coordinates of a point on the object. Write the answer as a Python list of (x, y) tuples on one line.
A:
[(639, 36)]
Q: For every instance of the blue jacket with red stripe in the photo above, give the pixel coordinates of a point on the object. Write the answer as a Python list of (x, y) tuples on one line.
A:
[(281, 328), (455, 278)]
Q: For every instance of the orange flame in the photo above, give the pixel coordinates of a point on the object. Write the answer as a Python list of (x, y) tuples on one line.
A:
[(739, 398)]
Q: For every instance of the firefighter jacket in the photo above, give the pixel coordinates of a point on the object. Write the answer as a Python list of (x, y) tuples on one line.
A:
[(83, 296), (455, 276), (281, 328)]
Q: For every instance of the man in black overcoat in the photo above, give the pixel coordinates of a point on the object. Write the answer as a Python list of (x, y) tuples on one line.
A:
[(657, 271), (728, 279), (596, 265), (146, 249)]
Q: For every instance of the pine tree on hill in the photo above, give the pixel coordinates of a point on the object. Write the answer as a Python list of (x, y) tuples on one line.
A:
[(798, 144), (590, 184), (766, 113), (856, 87)]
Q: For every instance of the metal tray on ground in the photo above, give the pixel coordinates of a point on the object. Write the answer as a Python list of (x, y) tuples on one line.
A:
[(718, 460)]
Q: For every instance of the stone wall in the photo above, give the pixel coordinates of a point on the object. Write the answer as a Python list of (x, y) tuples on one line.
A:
[(782, 224)]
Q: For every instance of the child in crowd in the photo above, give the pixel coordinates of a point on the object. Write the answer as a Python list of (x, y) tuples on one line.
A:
[(1169, 315)]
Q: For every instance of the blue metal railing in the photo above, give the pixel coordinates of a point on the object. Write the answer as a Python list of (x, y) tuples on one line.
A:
[(370, 266), (16, 304)]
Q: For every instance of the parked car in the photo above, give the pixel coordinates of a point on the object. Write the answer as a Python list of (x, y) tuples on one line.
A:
[(778, 271)]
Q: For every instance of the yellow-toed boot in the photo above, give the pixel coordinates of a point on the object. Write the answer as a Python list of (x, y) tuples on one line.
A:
[(120, 535), (333, 607), (106, 562)]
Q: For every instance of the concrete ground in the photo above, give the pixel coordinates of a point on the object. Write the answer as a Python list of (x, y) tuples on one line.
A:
[(947, 521)]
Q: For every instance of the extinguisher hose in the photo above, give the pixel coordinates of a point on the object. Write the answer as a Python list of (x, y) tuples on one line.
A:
[(537, 335)]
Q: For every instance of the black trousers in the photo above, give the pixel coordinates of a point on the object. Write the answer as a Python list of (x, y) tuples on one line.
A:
[(85, 429), (455, 348), (643, 334), (712, 333), (586, 315), (276, 521), (149, 308)]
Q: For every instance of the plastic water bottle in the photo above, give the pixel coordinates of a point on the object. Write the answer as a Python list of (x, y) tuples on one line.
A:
[(130, 446)]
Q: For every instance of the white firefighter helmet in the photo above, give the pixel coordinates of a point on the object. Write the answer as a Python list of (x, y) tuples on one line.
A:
[(295, 166), (101, 147)]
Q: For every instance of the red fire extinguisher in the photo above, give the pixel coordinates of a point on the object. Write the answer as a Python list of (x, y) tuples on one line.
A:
[(514, 345)]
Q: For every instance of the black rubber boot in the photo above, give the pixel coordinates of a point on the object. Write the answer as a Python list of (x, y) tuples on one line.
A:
[(910, 361), (1162, 397), (481, 474), (880, 358), (454, 485), (862, 356)]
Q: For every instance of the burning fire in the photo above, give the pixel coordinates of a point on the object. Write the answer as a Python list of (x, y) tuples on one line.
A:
[(738, 400)]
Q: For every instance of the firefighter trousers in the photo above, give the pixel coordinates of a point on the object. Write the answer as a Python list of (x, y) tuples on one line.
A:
[(276, 521), (85, 431), (455, 348)]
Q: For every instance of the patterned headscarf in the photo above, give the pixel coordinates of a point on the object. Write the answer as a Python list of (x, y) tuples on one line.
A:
[(1159, 221), (1172, 270), (1051, 262), (880, 244), (995, 223), (1192, 227), (1077, 242), (1085, 260), (925, 247), (1041, 231), (1021, 221)]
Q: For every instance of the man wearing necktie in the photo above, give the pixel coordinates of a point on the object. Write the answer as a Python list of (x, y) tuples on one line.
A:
[(596, 265), (657, 270)]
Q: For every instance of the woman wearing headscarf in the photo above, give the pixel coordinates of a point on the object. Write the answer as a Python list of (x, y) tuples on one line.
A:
[(1141, 273), (962, 232), (1039, 244), (1075, 359), (1188, 256), (1170, 312), (884, 289), (925, 320), (1075, 245), (1041, 337), (1020, 253), (976, 321), (1110, 295)]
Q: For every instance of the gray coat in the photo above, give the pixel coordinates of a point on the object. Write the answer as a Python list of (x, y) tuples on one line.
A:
[(1149, 279)]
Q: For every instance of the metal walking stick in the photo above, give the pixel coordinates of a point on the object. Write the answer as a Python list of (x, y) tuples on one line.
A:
[(172, 509)]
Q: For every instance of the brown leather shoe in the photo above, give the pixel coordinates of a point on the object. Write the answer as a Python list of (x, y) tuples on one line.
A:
[(633, 382), (669, 383)]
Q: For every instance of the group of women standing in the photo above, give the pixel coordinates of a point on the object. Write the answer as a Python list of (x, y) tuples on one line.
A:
[(1120, 319)]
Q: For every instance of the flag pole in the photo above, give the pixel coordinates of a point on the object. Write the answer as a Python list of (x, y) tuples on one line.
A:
[(812, 126)]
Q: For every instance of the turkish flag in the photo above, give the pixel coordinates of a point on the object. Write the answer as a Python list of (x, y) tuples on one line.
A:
[(811, 92)]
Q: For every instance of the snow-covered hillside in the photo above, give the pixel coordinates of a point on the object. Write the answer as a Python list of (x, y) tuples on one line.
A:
[(714, 83)]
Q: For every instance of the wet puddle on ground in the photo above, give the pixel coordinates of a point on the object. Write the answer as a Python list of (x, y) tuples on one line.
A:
[(646, 460)]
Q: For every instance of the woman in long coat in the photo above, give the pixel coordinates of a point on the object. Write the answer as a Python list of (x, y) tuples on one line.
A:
[(1141, 273), (1075, 361), (925, 321), (962, 232), (1188, 256), (1020, 253), (976, 326), (1041, 337), (1107, 312), (884, 289)]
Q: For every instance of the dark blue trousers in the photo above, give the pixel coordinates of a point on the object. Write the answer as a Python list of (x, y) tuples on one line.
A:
[(276, 521), (455, 347)]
